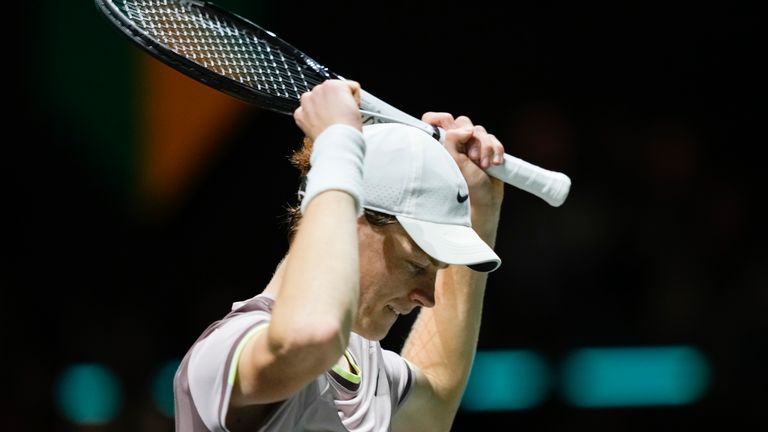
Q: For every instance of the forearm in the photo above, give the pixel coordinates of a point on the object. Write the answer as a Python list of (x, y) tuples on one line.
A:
[(443, 339), (318, 296), (319, 292)]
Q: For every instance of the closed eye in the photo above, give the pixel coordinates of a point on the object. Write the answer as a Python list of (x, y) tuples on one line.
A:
[(416, 268)]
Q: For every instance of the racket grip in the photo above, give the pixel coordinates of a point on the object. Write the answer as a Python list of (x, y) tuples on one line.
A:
[(551, 186)]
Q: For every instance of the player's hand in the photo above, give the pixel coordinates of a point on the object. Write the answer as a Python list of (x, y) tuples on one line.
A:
[(474, 150), (330, 102)]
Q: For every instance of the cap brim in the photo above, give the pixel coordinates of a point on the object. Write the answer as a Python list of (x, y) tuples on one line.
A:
[(451, 244)]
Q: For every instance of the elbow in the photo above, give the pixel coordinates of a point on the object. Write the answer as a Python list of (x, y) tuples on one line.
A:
[(315, 347)]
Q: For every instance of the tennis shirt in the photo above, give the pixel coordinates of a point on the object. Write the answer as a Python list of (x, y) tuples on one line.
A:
[(364, 399)]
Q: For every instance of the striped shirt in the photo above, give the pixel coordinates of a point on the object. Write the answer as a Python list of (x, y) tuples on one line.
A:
[(363, 398)]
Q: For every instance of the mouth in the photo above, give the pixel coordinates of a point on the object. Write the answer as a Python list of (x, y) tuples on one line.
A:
[(399, 312)]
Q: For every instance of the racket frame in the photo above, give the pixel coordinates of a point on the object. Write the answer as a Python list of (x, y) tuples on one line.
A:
[(553, 187)]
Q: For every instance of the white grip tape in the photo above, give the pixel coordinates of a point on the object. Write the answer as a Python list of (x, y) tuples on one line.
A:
[(551, 186), (336, 164)]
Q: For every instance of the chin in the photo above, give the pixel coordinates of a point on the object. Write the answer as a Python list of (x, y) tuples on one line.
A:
[(377, 332)]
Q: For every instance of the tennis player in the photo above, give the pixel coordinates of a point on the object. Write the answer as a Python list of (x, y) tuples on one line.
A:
[(390, 220)]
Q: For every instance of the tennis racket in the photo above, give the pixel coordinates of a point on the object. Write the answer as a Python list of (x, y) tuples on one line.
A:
[(243, 60)]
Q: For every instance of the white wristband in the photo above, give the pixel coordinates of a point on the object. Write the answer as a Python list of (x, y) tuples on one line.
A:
[(337, 164)]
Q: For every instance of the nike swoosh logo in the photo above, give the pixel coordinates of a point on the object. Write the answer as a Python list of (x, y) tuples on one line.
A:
[(461, 198)]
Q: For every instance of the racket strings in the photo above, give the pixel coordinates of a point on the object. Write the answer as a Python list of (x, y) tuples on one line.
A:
[(221, 46)]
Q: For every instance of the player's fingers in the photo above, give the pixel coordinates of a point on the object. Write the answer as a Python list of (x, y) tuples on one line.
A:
[(485, 144), (456, 139), (463, 121), (442, 119), (354, 87), (484, 149), (498, 150), (475, 144)]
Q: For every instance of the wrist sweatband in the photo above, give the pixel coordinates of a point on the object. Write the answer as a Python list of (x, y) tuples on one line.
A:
[(336, 164)]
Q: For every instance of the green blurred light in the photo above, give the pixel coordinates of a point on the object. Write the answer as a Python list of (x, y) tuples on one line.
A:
[(91, 92), (614, 377), (506, 380), (162, 387), (88, 394)]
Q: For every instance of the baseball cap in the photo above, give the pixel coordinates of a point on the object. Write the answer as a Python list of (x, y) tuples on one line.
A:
[(410, 175)]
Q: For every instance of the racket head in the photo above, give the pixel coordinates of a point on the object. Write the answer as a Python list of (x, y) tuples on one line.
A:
[(219, 49)]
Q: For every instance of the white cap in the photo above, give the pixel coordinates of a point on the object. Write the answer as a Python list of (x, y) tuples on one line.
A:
[(409, 174)]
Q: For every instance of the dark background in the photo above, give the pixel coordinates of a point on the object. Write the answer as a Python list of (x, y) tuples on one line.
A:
[(652, 110)]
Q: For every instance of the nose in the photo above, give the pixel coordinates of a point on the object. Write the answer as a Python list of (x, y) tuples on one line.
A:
[(424, 297)]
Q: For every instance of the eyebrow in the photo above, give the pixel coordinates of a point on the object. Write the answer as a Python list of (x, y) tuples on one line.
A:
[(434, 262)]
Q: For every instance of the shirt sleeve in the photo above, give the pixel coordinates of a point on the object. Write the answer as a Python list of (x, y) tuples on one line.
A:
[(213, 365), (400, 376)]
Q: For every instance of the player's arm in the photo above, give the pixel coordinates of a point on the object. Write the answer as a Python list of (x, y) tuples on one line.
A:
[(317, 301), (443, 340)]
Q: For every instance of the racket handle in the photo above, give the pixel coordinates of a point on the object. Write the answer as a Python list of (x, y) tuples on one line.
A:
[(551, 186)]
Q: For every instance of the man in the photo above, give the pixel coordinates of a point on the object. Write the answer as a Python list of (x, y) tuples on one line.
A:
[(384, 228)]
